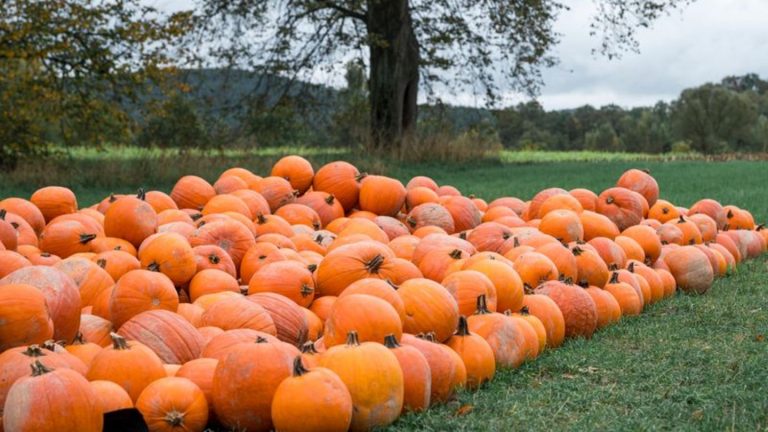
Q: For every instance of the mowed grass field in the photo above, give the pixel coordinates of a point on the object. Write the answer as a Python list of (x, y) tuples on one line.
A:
[(687, 363)]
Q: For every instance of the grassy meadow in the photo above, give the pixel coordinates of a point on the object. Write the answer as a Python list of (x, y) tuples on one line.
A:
[(688, 363)]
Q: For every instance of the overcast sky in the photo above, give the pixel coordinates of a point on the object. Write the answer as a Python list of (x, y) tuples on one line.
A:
[(702, 43)]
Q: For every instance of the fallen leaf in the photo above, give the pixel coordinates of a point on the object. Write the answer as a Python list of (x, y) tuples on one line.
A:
[(697, 415), (463, 410), (760, 338), (569, 376)]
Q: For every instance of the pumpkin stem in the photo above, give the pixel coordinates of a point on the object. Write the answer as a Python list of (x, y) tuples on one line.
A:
[(665, 210), (261, 339), (524, 311), (174, 418), (155, 267), (455, 254), (112, 198), (567, 280), (214, 259), (681, 219), (118, 342), (760, 227), (33, 350), (730, 214), (613, 267), (352, 339), (463, 328), (631, 267), (374, 265), (86, 238), (329, 199), (39, 368), (411, 221), (306, 290), (101, 262), (196, 216), (319, 238), (142, 195), (463, 235), (298, 367), (316, 225), (527, 289), (312, 268), (261, 219), (516, 242), (614, 278), (577, 251), (391, 342), (609, 200), (3, 212), (50, 345), (79, 339), (361, 176), (45, 254), (309, 348), (482, 306), (392, 284), (427, 336)]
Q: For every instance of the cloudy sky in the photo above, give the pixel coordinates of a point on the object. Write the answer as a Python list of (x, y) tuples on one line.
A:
[(702, 43)]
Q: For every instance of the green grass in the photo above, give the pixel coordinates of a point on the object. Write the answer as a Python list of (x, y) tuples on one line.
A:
[(688, 363)]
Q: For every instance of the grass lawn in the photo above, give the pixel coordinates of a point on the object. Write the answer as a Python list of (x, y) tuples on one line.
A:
[(688, 363)]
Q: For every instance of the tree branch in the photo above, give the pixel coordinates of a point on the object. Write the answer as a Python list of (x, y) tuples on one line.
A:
[(345, 11)]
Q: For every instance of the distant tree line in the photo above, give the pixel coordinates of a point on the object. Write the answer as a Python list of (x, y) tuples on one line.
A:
[(730, 116)]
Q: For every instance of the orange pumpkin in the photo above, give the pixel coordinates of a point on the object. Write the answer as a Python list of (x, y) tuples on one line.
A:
[(90, 278), (641, 182), (621, 206), (626, 296), (466, 285), (36, 402), (711, 208), (353, 262), (210, 281), (312, 400), (535, 268), (475, 352), (139, 291), (463, 211), (237, 312), (297, 170), (26, 210), (663, 211), (371, 318), (130, 364), (130, 218), (54, 201), (66, 238), (374, 379), (231, 236), (502, 334), (691, 269), (61, 295), (447, 370), (506, 281), (171, 255), (26, 319), (11, 261), (381, 195), (169, 335), (110, 396), (253, 372), (340, 179), (417, 377), (192, 192), (578, 308), (429, 307), (172, 404)]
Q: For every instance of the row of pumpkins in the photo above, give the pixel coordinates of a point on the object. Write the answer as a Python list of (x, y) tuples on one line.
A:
[(326, 300)]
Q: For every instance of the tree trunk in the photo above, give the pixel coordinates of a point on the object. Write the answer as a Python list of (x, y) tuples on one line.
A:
[(394, 81)]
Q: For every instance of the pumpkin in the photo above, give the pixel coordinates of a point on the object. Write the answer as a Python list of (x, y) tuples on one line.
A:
[(611, 253), (66, 238), (651, 277), (417, 377), (169, 335), (91, 279), (463, 211), (26, 210), (299, 214), (507, 283), (130, 364), (288, 278), (276, 190), (641, 182), (9, 238), (200, 371), (53, 201), (492, 236), (384, 290), (219, 345), (139, 291), (429, 307), (85, 351), (466, 285), (25, 316), (243, 174), (290, 321), (502, 334), (535, 268), (578, 308), (711, 208), (95, 329), (690, 231), (103, 244), (210, 281), (245, 382), (371, 318), (592, 270), (381, 195), (236, 313), (374, 379), (477, 355), (110, 396), (171, 404), (228, 184), (192, 192), (231, 236), (227, 203), (421, 181), (171, 255), (690, 268), (340, 179), (621, 206), (312, 400), (11, 261), (130, 218), (353, 262), (36, 402), (529, 333), (61, 295), (297, 170), (430, 214), (560, 202), (663, 211), (447, 370), (626, 296), (419, 195)]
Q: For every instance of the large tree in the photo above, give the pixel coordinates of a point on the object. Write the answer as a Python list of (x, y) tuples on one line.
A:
[(479, 46)]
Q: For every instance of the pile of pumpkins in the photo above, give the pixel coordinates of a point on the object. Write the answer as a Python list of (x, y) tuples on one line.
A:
[(322, 300)]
